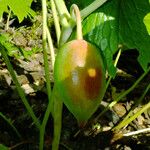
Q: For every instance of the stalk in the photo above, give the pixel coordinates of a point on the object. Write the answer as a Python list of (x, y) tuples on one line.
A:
[(115, 64), (51, 47), (57, 113), (18, 86), (75, 9), (92, 7), (47, 73)]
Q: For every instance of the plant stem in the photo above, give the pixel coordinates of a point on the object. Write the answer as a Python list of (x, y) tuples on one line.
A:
[(137, 132), (123, 94), (56, 21), (46, 63), (92, 7), (115, 64), (57, 113), (18, 86), (46, 116), (125, 120), (51, 47), (47, 72), (74, 8)]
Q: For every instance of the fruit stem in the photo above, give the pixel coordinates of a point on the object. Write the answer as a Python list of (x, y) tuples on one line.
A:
[(91, 8), (75, 9)]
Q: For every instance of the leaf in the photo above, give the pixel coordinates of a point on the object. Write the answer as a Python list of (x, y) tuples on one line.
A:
[(3, 147), (20, 8), (119, 22), (147, 22)]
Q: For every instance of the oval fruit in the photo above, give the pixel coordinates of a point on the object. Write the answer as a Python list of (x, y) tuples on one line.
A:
[(80, 78)]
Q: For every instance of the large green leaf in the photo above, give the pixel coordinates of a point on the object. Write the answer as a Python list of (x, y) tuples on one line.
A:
[(119, 22), (21, 8)]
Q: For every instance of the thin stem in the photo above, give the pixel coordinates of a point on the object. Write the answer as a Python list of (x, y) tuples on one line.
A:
[(45, 55), (47, 73), (137, 132), (123, 123), (123, 94), (18, 86), (45, 119), (57, 113), (51, 47), (56, 21), (115, 64), (75, 8), (92, 7)]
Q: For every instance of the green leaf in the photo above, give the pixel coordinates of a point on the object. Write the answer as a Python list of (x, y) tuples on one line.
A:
[(147, 22), (3, 147), (119, 22), (20, 8)]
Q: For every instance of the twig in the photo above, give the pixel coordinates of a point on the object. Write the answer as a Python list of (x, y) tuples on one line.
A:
[(137, 132)]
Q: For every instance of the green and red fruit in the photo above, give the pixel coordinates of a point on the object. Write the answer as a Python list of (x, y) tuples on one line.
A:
[(80, 78)]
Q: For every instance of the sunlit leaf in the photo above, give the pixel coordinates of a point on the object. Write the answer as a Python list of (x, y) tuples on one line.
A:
[(147, 22), (20, 8)]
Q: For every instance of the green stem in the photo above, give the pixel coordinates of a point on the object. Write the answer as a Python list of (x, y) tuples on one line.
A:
[(115, 64), (47, 73), (18, 86), (45, 119), (45, 55), (123, 94), (57, 113), (56, 21), (51, 47), (92, 7), (123, 123), (74, 8)]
